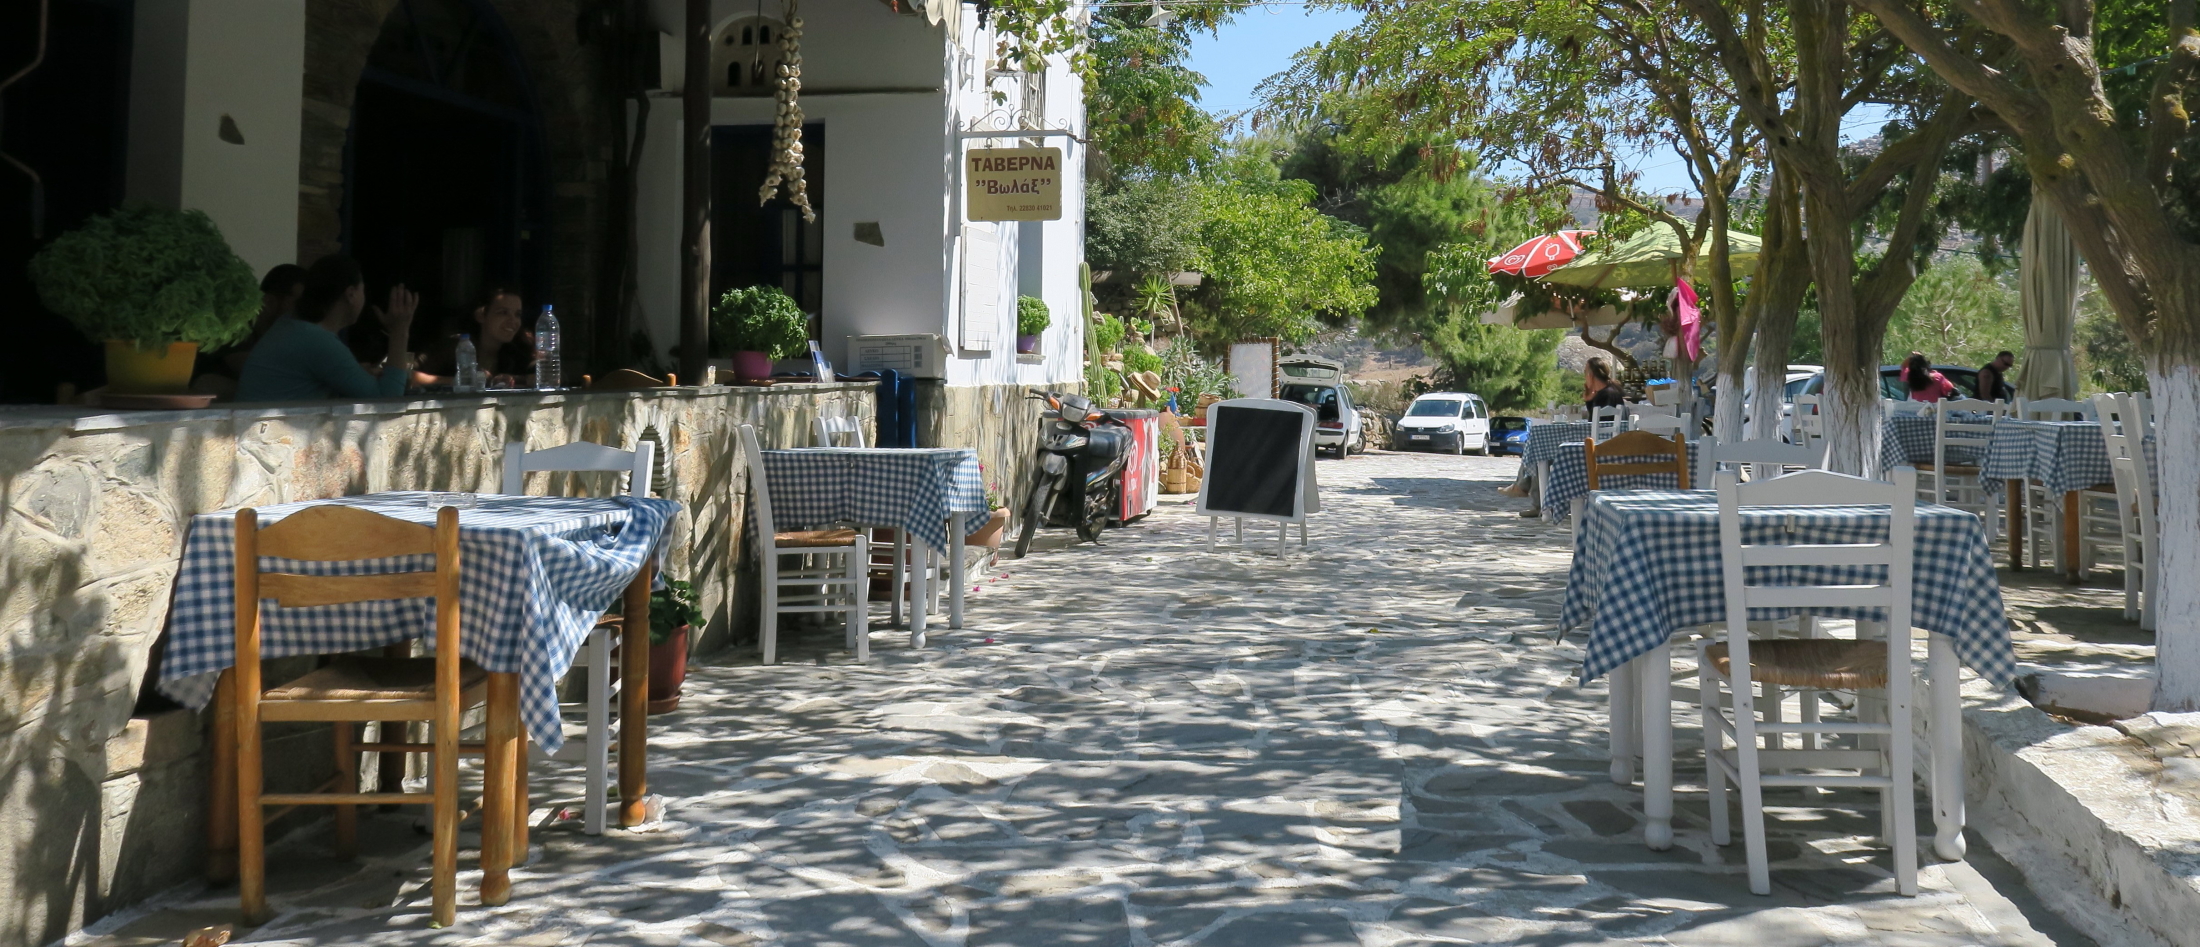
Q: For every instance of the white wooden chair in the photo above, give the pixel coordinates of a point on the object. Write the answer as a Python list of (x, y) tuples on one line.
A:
[(900, 555), (1812, 666), (1962, 426), (1658, 423), (595, 656), (2122, 426), (1806, 424), (1607, 421), (1892, 407), (2100, 521), (1767, 459), (831, 573)]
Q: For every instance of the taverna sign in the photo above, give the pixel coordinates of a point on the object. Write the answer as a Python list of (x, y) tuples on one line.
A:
[(1014, 183)]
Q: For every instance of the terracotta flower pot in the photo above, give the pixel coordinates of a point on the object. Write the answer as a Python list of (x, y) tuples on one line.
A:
[(752, 366), (668, 667), (161, 370), (1027, 345)]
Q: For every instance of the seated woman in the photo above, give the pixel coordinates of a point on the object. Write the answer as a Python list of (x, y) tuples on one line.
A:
[(302, 359), (1924, 383), (1598, 390), (506, 354)]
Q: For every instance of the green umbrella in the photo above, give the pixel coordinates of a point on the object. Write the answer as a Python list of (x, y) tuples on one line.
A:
[(1647, 258)]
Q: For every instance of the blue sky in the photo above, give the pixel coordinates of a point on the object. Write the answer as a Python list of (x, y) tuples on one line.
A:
[(1261, 40)]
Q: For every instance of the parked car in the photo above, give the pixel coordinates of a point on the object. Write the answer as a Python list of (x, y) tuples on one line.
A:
[(1450, 421), (1890, 382), (1318, 383), (1509, 435)]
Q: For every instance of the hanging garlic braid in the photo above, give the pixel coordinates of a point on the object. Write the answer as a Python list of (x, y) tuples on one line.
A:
[(786, 165)]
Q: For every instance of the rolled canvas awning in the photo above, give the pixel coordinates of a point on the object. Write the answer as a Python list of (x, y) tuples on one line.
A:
[(1551, 319), (1647, 258), (2048, 279)]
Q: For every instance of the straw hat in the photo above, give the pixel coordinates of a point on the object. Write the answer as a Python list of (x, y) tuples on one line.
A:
[(1147, 383)]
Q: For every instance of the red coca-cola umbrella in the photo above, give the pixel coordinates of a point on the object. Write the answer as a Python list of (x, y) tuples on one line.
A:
[(1538, 257)]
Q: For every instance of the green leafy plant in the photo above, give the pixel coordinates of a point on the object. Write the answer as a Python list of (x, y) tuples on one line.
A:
[(1107, 333), (1032, 316), (148, 274), (1140, 360), (759, 319), (673, 606)]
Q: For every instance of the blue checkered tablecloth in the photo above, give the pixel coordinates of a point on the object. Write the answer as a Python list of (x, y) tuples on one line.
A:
[(1907, 440), (912, 488), (1570, 476), (2063, 455), (535, 575), (1545, 436), (1647, 564)]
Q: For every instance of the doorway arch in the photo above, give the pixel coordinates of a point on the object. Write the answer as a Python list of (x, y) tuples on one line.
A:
[(445, 168)]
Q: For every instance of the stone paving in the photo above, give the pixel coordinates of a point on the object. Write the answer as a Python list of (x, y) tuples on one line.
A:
[(1371, 741)]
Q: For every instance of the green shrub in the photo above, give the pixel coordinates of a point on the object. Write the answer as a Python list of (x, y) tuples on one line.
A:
[(759, 319), (1107, 336), (1032, 316), (1140, 360), (150, 275), (673, 606)]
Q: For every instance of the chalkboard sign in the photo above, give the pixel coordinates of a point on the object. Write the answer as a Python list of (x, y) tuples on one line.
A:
[(1260, 460)]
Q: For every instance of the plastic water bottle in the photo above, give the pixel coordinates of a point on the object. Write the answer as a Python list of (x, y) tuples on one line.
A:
[(546, 350), (463, 380)]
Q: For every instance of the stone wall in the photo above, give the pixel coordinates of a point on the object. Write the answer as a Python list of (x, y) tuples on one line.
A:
[(101, 784), (1001, 421)]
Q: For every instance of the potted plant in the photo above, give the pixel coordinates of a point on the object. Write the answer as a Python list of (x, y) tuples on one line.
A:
[(673, 614), (996, 522), (153, 284), (1032, 319), (757, 325)]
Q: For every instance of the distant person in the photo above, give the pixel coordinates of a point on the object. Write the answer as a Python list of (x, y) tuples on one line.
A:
[(302, 359), (1924, 383), (1993, 378), (1598, 389), (503, 351), (219, 369)]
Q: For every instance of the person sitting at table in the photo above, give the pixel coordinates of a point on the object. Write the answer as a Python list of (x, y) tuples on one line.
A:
[(505, 353), (1598, 389), (1993, 378), (1924, 383), (302, 359)]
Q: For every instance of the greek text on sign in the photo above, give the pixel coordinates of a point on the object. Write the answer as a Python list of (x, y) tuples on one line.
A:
[(1015, 183)]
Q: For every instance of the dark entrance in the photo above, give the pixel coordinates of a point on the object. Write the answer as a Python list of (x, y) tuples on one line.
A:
[(768, 245), (68, 121), (445, 169)]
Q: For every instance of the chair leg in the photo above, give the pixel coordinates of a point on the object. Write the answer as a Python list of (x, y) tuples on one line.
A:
[(1902, 794), (767, 630), (599, 730), (347, 780), (520, 801), (900, 541), (251, 819), (1753, 796), (497, 795), (1714, 744), (443, 780), (859, 609)]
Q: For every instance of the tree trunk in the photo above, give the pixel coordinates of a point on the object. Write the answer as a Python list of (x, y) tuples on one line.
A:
[(1776, 293), (2176, 385)]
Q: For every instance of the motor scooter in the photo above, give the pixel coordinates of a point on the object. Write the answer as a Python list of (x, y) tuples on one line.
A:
[(1082, 452)]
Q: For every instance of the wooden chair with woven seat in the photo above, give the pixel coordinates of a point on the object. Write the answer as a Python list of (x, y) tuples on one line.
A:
[(1780, 575), (832, 573), (595, 655), (896, 558), (354, 690)]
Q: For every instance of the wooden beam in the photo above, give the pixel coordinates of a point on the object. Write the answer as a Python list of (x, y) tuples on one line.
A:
[(695, 194)]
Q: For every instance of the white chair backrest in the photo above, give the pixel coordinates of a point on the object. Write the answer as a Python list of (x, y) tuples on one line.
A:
[(1765, 456), (1965, 423), (1892, 407), (579, 457), (760, 494), (1607, 421), (2054, 409), (1823, 582), (842, 426), (1808, 422), (1662, 424), (1666, 396), (2140, 407), (2120, 424)]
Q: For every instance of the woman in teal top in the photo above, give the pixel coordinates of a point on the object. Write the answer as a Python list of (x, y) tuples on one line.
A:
[(302, 359)]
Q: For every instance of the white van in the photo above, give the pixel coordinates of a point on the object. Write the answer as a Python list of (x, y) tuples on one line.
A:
[(1451, 421), (1318, 383)]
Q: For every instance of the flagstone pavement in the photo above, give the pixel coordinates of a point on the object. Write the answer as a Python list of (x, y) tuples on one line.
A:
[(1373, 740)]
